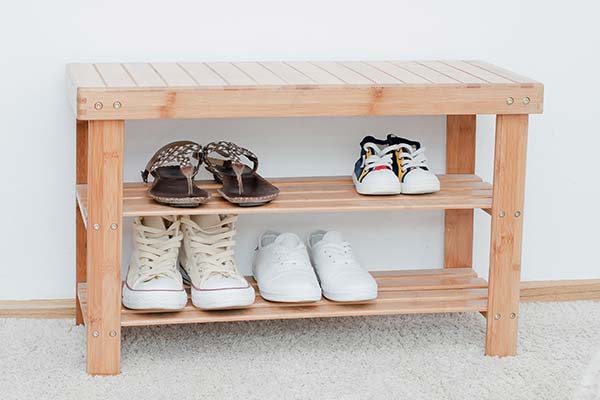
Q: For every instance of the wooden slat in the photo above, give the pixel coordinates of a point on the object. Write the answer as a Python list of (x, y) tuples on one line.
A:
[(85, 75), (203, 75), (344, 73), (399, 73), (452, 72), (318, 75), (173, 75), (478, 72), (115, 75), (259, 73), (291, 75), (232, 74), (564, 290), (431, 75), (506, 230), (401, 292), (374, 74), (321, 194), (460, 159), (144, 75), (502, 72)]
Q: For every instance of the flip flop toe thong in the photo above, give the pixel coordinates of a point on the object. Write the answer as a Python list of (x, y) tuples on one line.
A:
[(173, 169), (242, 185)]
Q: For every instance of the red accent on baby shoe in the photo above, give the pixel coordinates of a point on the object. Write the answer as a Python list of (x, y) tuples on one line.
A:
[(380, 167)]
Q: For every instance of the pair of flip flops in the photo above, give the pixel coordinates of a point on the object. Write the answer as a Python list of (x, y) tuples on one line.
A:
[(175, 165)]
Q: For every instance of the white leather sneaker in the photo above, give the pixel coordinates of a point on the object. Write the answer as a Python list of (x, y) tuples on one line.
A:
[(153, 279), (341, 277), (283, 271), (208, 263)]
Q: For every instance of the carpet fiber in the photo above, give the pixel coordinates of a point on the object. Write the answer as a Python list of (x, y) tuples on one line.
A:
[(401, 357)]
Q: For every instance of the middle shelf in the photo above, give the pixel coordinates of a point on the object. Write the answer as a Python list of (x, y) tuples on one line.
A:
[(313, 194)]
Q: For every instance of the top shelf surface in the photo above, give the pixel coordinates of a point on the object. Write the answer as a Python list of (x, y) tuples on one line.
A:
[(127, 91)]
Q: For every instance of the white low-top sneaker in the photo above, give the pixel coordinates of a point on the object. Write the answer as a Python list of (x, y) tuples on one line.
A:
[(341, 276), (153, 279), (208, 263), (411, 165), (283, 271)]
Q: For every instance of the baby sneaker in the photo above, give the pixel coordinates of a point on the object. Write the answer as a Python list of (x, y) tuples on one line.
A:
[(153, 279), (341, 276), (208, 263), (283, 270), (411, 166), (373, 172)]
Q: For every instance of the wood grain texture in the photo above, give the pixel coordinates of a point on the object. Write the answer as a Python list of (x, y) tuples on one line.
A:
[(105, 175), (80, 228), (506, 230), (460, 159), (300, 88), (314, 194), (538, 291), (400, 292)]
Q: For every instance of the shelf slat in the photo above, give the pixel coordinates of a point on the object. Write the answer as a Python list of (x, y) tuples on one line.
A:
[(400, 292), (316, 194)]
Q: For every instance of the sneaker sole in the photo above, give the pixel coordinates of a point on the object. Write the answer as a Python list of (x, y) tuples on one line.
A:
[(350, 297), (375, 190), (220, 299), (154, 299)]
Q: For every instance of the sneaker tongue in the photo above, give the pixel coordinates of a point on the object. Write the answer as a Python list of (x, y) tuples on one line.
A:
[(154, 222), (333, 237), (205, 221), (288, 240)]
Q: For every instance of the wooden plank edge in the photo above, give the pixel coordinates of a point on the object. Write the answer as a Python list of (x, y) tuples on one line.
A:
[(44, 309)]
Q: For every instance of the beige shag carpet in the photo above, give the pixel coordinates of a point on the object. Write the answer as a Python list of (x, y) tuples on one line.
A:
[(403, 357)]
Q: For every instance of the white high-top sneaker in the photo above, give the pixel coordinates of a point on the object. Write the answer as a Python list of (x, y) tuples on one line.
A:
[(411, 165), (208, 263), (283, 270), (153, 279), (341, 277)]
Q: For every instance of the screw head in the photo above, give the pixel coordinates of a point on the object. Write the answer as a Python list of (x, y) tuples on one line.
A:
[(112, 333), (98, 105), (114, 226), (526, 100), (517, 214), (513, 315), (95, 334), (509, 100), (501, 214), (96, 227), (497, 316), (117, 104)]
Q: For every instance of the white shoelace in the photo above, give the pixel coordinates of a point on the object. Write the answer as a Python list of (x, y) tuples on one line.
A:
[(379, 157), (412, 158), (290, 258), (157, 250), (339, 253), (212, 248)]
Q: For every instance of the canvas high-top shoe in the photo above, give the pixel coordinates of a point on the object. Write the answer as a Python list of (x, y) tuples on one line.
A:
[(153, 279), (208, 263), (410, 166), (373, 171)]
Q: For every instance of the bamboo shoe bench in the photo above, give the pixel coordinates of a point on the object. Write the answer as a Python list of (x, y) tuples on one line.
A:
[(104, 96)]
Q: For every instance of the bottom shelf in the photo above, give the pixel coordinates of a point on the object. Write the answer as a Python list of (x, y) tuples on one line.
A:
[(400, 292)]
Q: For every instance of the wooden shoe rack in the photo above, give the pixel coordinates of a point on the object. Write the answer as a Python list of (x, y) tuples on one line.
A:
[(104, 96)]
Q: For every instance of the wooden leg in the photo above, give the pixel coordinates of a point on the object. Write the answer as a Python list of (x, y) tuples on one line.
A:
[(460, 159), (104, 232), (80, 232), (507, 224)]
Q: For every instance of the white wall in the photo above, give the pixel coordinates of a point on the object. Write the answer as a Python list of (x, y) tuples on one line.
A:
[(554, 42)]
